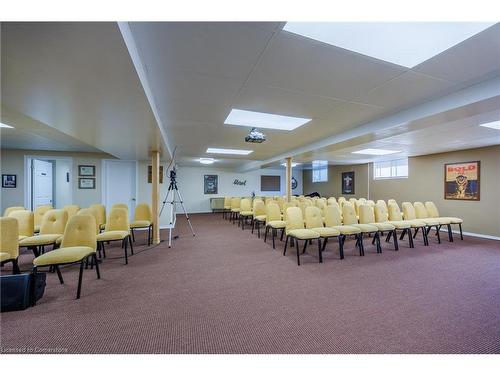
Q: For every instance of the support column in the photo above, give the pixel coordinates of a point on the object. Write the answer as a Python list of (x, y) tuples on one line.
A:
[(289, 179), (155, 184)]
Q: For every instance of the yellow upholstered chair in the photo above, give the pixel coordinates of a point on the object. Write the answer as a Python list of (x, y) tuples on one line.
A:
[(39, 212), (352, 201), (117, 229), (382, 216), (26, 222), (423, 215), (101, 218), (395, 215), (295, 231), (274, 222), (381, 202), (389, 201), (330, 201), (367, 216), (78, 244), (314, 221), (333, 219), (51, 228), (227, 206), (143, 218), (320, 203), (350, 218), (9, 242), (409, 213), (245, 212), (71, 209), (433, 213), (341, 201), (92, 212), (370, 203), (258, 215), (8, 210), (235, 209)]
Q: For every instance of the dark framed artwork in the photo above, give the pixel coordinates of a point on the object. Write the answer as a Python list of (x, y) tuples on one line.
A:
[(347, 182), (211, 182), (150, 174), (86, 183), (462, 181), (270, 183), (9, 181), (86, 170)]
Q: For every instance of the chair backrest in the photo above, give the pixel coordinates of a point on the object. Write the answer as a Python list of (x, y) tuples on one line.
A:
[(349, 214), (71, 209), (89, 211), (366, 214), (303, 205), (245, 205), (409, 211), (381, 201), (227, 202), (394, 212), (320, 203), (39, 212), (381, 212), (352, 200), (9, 236), (389, 201), (80, 231), (331, 200), (117, 220), (143, 212), (8, 210), (420, 210), (272, 212), (259, 208), (26, 222), (286, 206), (235, 203), (294, 219), (341, 199), (120, 205), (332, 216), (370, 203), (313, 217), (357, 204), (432, 210), (101, 210), (281, 201), (54, 222), (362, 200)]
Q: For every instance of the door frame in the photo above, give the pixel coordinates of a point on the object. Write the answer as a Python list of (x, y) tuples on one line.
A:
[(103, 179), (28, 183)]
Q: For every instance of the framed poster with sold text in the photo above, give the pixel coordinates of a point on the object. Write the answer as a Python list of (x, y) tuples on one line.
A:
[(461, 181)]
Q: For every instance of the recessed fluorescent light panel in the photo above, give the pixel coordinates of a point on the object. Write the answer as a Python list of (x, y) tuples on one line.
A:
[(492, 125), (5, 126), (403, 43), (240, 117), (375, 151), (228, 151), (293, 164), (206, 160)]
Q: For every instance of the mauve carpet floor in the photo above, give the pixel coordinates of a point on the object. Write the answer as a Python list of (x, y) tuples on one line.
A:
[(225, 291)]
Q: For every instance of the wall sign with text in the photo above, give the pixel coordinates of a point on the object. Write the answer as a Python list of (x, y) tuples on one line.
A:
[(461, 181)]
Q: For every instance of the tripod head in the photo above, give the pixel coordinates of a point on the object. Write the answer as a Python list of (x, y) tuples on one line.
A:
[(173, 174)]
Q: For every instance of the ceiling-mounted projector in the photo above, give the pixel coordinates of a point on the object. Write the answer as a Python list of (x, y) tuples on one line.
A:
[(255, 136)]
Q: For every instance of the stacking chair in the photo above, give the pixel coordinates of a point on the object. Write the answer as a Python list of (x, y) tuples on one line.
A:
[(352, 201), (314, 221), (395, 216), (26, 222), (333, 219), (8, 210), (78, 244), (71, 209), (295, 231), (39, 212), (357, 204), (370, 203), (367, 216), (382, 217), (341, 201), (259, 215), (330, 201), (389, 201), (434, 214), (423, 215), (227, 207), (274, 222), (86, 211), (9, 242), (235, 209), (410, 214), (143, 218), (245, 212), (101, 218), (350, 218), (320, 203), (117, 229), (51, 228)]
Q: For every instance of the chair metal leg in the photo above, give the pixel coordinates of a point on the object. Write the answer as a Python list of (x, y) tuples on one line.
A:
[(388, 238), (426, 238), (253, 224), (273, 230), (258, 229), (131, 246), (80, 280), (282, 233), (395, 236), (320, 250), (94, 256), (286, 244), (341, 246), (59, 274), (124, 245), (133, 236), (461, 235), (305, 246), (403, 234), (450, 234), (410, 238), (324, 244), (298, 255), (265, 233), (379, 248), (437, 234), (416, 231)]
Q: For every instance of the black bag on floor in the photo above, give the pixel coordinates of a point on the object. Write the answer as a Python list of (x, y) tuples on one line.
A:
[(18, 292)]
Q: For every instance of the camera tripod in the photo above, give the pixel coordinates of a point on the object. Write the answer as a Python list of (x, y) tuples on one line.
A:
[(172, 188)]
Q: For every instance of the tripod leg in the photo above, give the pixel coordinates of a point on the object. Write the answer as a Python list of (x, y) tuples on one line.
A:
[(184, 210)]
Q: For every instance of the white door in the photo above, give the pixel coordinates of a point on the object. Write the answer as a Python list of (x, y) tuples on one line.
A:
[(42, 183), (119, 184)]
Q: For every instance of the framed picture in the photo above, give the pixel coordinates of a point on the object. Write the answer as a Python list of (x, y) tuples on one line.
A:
[(86, 183), (86, 170), (347, 182), (211, 183), (461, 181), (9, 181), (150, 174)]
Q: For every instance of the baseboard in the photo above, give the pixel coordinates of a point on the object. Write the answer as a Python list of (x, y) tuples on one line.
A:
[(471, 234)]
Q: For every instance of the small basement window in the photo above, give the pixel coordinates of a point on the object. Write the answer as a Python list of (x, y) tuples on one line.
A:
[(390, 169)]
